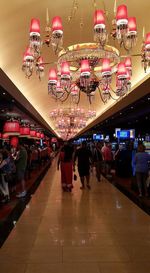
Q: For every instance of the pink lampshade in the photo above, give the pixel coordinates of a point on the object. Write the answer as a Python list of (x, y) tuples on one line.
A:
[(32, 133), (132, 24), (40, 62), (12, 127), (52, 75), (121, 70), (42, 135), (147, 40), (128, 63), (38, 134), (65, 69), (99, 17), (106, 65), (35, 26), (121, 12), (85, 67), (27, 53), (24, 131), (57, 23)]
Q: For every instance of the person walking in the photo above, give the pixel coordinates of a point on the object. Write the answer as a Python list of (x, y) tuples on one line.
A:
[(65, 163), (98, 159), (84, 156), (141, 168), (107, 157)]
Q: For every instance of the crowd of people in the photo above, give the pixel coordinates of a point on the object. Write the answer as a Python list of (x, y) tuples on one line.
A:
[(16, 165), (105, 161)]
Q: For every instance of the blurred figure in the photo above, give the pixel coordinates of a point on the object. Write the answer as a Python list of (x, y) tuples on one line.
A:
[(141, 168), (65, 162), (21, 164), (84, 157), (98, 159), (4, 173), (107, 157)]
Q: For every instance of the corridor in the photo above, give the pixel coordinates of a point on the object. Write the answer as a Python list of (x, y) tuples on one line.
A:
[(90, 231)]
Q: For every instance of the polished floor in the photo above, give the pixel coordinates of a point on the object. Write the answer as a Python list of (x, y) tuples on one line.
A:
[(90, 231)]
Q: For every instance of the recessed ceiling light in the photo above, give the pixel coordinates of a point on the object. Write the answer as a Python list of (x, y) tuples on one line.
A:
[(148, 98), (4, 93), (13, 100), (132, 107), (120, 113)]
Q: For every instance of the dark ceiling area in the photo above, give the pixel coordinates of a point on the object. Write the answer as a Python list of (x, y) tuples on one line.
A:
[(135, 116)]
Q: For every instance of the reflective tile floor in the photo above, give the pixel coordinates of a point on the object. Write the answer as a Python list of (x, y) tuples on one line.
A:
[(91, 231)]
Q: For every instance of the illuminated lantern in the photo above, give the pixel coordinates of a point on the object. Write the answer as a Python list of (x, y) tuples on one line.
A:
[(32, 133), (24, 131), (12, 128), (65, 70), (38, 134), (14, 141), (122, 15), (57, 26), (132, 29), (106, 68), (121, 71), (85, 68), (35, 27), (52, 77), (42, 135), (52, 80), (121, 21), (147, 41), (28, 56), (35, 36), (99, 20)]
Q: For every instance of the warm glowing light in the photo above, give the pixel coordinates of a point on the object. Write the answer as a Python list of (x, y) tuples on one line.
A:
[(57, 24), (35, 26)]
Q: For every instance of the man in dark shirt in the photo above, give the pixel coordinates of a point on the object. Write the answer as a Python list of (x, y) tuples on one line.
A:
[(84, 157)]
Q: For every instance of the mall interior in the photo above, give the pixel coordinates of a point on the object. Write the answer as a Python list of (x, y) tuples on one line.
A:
[(74, 73)]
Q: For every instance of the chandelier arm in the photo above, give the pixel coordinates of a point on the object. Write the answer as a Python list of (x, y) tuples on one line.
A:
[(30, 74), (113, 97), (104, 101), (65, 98)]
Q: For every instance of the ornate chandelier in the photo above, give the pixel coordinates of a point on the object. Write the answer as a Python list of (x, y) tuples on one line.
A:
[(69, 121), (87, 67)]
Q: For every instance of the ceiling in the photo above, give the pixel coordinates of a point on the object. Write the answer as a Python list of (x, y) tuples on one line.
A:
[(15, 19)]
